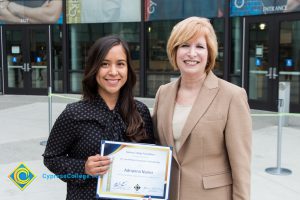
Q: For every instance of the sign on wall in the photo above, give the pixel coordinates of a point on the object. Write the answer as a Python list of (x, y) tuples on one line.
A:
[(95, 11), (261, 7), (178, 9), (31, 11)]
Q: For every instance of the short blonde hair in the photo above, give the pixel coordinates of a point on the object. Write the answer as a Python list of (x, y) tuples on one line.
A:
[(187, 29)]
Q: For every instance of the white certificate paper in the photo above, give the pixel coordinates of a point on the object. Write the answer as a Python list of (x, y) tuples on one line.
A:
[(137, 171)]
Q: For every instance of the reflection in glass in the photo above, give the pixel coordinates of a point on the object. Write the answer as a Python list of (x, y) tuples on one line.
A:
[(289, 58), (15, 67), (75, 82), (236, 58), (58, 81), (156, 80), (218, 24), (1, 80), (159, 69), (38, 58), (57, 70), (258, 61), (158, 34)]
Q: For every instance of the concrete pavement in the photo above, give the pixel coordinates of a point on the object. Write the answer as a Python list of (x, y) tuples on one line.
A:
[(24, 125)]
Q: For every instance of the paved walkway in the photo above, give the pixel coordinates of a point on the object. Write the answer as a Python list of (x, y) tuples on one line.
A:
[(24, 125)]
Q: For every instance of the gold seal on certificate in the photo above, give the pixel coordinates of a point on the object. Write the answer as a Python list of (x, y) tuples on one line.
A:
[(137, 171)]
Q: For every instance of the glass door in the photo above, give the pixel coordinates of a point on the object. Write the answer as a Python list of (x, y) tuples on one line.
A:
[(289, 59), (272, 61), (26, 59), (261, 63)]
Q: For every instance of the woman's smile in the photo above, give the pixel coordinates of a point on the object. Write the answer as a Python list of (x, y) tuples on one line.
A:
[(191, 62)]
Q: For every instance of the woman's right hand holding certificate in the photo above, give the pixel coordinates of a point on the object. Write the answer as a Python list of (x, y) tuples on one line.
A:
[(97, 165)]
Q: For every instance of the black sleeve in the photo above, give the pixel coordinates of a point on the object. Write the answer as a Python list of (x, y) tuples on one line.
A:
[(145, 114), (61, 139)]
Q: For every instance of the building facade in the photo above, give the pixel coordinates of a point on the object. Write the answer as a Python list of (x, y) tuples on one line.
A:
[(259, 43)]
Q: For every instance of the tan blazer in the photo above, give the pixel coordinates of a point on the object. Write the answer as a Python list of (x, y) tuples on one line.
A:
[(213, 161)]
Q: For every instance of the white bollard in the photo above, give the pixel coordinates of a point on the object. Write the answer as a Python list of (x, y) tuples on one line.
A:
[(278, 170)]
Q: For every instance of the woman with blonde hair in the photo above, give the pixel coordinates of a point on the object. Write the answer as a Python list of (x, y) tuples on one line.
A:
[(206, 119)]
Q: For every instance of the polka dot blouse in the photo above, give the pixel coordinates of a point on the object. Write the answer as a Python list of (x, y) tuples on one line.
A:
[(76, 135)]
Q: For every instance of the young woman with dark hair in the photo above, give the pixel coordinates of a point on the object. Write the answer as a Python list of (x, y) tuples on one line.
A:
[(107, 111), (128, 110)]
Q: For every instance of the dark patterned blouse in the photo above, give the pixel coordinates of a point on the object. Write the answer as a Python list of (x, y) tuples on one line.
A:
[(76, 135)]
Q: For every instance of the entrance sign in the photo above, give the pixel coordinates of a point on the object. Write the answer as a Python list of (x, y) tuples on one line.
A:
[(262, 7)]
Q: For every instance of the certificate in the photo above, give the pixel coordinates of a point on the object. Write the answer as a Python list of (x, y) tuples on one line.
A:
[(137, 171)]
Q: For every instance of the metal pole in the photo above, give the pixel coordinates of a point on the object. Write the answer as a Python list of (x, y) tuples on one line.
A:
[(50, 108), (278, 170), (44, 142), (279, 135)]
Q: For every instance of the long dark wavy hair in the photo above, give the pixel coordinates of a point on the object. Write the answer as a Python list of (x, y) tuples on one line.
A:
[(135, 124)]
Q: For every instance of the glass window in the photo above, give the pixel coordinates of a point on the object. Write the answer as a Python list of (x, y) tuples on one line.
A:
[(82, 36), (159, 70), (236, 49), (1, 86), (158, 34), (14, 58), (289, 58), (0, 80), (57, 70), (75, 81), (38, 58), (154, 80), (259, 61), (218, 24)]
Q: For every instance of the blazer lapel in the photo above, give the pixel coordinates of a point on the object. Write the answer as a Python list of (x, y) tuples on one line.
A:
[(205, 97), (169, 104)]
